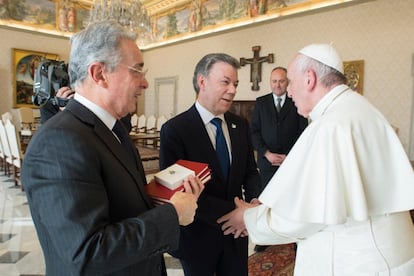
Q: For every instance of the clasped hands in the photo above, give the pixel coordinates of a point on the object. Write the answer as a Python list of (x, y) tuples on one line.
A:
[(233, 222), (275, 159)]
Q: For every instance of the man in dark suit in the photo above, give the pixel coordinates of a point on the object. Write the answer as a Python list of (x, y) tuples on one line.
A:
[(275, 127), (275, 132), (85, 183), (204, 250)]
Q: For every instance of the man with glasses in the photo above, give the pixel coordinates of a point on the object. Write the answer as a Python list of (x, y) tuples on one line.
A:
[(84, 179)]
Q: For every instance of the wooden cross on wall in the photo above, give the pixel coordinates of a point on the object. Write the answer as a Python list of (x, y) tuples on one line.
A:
[(256, 66)]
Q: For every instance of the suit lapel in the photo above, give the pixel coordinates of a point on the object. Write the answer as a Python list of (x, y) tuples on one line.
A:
[(205, 145), (234, 134), (285, 108), (108, 138), (270, 106)]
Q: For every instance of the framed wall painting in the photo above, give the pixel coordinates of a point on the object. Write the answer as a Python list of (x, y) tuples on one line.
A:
[(354, 73), (24, 64)]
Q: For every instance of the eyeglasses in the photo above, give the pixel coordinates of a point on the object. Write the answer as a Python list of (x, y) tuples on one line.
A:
[(138, 72)]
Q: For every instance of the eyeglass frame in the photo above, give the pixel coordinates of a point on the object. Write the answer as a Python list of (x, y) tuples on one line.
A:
[(141, 72)]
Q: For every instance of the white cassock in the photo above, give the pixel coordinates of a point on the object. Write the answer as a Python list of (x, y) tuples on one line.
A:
[(343, 194)]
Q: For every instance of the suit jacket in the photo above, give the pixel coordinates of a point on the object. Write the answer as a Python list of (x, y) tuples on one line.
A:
[(273, 131), (88, 201), (185, 137)]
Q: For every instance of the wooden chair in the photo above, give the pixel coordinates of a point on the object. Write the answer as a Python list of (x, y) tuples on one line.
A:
[(8, 165), (2, 158), (16, 152), (160, 121), (151, 124), (142, 124), (26, 118), (5, 116), (134, 122)]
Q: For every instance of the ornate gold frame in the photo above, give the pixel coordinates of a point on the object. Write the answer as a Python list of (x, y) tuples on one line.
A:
[(24, 63), (354, 72)]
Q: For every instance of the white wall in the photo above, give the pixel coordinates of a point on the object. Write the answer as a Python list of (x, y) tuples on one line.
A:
[(380, 32)]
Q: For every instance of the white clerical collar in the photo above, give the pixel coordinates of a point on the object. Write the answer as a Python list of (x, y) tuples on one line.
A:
[(326, 100), (206, 115), (101, 113)]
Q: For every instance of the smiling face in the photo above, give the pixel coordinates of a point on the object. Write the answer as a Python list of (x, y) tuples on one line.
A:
[(127, 81), (218, 88)]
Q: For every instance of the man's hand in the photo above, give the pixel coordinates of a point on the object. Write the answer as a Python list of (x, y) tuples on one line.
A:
[(185, 202), (275, 159), (185, 205), (193, 186), (233, 222), (65, 93)]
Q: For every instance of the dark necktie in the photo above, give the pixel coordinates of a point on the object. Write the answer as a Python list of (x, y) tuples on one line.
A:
[(278, 105), (126, 142), (221, 148)]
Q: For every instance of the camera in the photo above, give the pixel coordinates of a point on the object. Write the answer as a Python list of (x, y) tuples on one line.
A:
[(49, 76)]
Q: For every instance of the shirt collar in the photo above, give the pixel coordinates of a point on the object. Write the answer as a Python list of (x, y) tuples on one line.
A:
[(283, 97), (326, 100), (101, 113), (206, 115)]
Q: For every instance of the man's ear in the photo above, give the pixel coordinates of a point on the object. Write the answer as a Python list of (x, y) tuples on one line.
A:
[(310, 79), (97, 73), (201, 81)]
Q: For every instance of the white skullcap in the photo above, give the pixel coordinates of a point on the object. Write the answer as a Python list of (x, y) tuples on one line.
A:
[(325, 54)]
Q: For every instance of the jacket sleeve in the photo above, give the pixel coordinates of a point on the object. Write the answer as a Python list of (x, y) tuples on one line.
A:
[(65, 175)]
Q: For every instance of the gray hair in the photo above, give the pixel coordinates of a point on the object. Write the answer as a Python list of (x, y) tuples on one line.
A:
[(99, 42), (204, 65), (326, 74)]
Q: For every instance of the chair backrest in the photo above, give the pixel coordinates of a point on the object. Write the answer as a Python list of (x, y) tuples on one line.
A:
[(141, 125), (134, 121), (36, 113), (5, 116), (14, 142), (26, 117), (2, 155), (151, 121), (5, 143), (160, 121)]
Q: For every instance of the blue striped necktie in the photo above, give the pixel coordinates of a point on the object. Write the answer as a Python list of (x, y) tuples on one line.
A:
[(221, 148)]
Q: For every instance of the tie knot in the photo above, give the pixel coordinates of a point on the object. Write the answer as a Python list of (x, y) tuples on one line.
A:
[(118, 127), (120, 130), (217, 122), (279, 99)]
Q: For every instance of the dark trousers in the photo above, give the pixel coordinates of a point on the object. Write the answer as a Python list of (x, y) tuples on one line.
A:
[(266, 175), (226, 263)]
